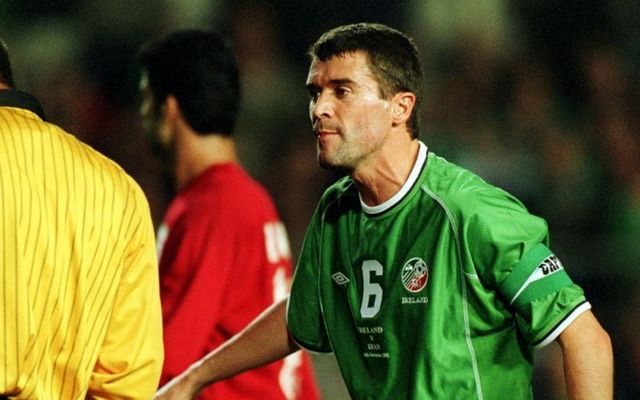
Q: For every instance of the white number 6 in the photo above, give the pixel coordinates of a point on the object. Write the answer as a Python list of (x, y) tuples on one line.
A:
[(369, 308)]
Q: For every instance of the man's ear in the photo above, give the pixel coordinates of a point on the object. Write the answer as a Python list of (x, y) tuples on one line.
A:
[(403, 103), (171, 110), (169, 118)]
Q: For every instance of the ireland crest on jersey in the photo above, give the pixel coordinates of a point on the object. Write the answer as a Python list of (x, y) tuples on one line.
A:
[(415, 275)]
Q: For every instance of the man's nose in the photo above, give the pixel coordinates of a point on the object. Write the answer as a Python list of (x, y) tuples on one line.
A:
[(323, 107)]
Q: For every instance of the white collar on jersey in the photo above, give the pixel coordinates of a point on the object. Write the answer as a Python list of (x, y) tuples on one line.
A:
[(413, 177)]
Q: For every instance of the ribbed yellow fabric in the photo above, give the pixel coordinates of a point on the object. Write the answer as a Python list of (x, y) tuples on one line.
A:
[(79, 304)]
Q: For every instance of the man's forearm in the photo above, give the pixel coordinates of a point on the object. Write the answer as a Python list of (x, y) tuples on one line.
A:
[(588, 359), (263, 341)]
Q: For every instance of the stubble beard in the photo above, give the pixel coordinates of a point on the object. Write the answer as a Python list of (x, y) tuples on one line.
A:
[(340, 160)]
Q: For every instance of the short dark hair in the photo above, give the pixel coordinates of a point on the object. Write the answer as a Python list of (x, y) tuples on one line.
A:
[(392, 58), (200, 69), (6, 75)]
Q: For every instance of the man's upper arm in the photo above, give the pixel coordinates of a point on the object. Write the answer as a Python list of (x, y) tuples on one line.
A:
[(510, 253), (130, 359), (582, 332)]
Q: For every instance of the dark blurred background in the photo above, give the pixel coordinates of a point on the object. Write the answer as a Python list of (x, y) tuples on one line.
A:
[(541, 98)]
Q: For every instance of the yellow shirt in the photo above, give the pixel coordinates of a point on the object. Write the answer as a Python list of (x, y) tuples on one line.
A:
[(79, 299)]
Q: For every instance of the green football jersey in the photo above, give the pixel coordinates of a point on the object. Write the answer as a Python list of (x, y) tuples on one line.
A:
[(441, 292)]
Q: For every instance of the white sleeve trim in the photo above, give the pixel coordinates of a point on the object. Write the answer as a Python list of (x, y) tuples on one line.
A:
[(560, 328)]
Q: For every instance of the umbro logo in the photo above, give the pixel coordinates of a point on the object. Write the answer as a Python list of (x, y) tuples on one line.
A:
[(340, 278)]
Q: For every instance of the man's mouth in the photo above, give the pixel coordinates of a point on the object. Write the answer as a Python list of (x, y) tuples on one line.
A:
[(324, 131)]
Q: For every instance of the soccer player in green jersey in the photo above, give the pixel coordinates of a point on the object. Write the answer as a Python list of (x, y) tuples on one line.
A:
[(424, 281)]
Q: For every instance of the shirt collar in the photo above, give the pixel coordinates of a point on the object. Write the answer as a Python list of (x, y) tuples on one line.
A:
[(19, 99), (411, 180)]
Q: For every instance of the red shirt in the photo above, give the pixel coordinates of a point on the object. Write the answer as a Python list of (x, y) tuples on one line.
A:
[(224, 258)]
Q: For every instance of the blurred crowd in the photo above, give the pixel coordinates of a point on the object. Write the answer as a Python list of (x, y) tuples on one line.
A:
[(539, 98)]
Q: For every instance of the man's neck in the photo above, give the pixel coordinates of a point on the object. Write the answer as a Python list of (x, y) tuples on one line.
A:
[(384, 176), (195, 154)]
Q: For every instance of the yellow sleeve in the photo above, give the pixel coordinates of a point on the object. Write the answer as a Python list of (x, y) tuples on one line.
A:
[(130, 359)]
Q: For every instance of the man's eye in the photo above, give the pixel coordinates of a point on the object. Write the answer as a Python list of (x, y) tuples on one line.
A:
[(313, 95), (341, 92)]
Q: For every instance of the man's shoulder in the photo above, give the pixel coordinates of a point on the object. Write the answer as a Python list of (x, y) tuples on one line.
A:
[(460, 189), (89, 168)]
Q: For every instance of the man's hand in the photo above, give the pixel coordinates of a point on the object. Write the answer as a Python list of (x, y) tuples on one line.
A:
[(179, 388)]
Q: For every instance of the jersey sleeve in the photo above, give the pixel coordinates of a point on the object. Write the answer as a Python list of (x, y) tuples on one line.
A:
[(304, 314), (131, 356), (510, 250), (545, 298)]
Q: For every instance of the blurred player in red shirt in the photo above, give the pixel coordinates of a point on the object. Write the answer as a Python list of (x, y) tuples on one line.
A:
[(224, 253)]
